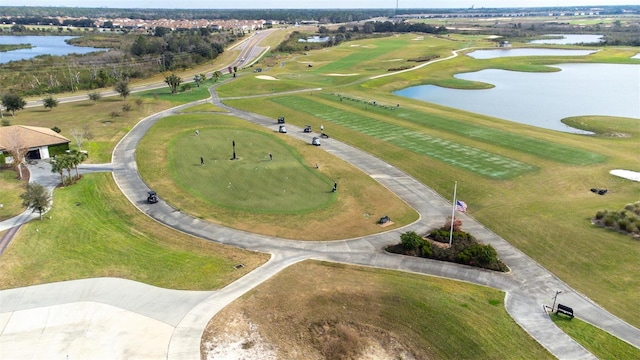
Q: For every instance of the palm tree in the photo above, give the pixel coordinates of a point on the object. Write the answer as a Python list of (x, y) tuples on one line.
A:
[(76, 158), (56, 167), (67, 162)]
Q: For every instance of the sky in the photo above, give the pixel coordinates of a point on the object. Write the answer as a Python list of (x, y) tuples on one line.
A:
[(324, 4)]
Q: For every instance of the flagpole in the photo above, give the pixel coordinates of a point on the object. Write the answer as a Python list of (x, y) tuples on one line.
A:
[(453, 213)]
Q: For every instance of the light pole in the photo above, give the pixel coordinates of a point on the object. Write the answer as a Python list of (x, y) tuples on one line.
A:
[(554, 299)]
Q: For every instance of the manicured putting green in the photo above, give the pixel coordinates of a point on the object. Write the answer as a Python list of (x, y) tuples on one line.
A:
[(255, 181)]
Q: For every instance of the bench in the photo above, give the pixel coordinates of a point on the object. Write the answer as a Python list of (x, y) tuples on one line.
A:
[(563, 309)]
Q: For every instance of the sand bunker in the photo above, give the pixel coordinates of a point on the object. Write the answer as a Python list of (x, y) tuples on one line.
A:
[(265, 77), (354, 74), (627, 174), (394, 60)]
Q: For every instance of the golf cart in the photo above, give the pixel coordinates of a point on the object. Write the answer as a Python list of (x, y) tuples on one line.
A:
[(282, 129), (152, 198), (315, 141), (307, 128), (281, 120)]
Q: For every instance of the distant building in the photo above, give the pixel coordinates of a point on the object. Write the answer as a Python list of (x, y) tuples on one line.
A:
[(505, 44)]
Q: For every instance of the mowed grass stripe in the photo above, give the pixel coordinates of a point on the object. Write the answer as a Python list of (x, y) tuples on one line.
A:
[(367, 54), (537, 147), (472, 159)]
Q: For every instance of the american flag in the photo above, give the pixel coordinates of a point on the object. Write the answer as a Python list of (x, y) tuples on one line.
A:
[(461, 206)]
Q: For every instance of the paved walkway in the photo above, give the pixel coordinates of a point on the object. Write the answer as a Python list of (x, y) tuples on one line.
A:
[(529, 287)]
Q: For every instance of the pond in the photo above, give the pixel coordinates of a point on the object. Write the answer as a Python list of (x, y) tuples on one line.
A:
[(41, 45), (315, 39), (509, 52), (543, 99), (569, 39)]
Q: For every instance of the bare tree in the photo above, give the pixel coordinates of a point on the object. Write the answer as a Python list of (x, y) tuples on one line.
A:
[(78, 136), (17, 147), (88, 135)]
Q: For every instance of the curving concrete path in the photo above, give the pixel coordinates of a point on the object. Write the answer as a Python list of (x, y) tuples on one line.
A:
[(529, 287)]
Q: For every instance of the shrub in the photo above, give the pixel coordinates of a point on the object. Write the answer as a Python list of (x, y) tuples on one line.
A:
[(457, 225), (601, 214), (439, 235), (426, 249), (114, 114), (610, 220), (411, 241), (126, 107), (56, 129), (623, 224)]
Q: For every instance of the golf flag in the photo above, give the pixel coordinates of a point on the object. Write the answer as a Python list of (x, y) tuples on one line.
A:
[(461, 206)]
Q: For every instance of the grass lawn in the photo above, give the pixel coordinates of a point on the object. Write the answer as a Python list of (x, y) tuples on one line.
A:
[(93, 231), (286, 197), (267, 176), (106, 130), (10, 194), (337, 311), (598, 342)]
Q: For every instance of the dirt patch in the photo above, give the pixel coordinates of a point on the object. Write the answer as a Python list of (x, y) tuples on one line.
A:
[(239, 339), (312, 312)]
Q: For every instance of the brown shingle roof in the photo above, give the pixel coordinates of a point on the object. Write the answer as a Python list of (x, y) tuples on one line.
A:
[(29, 137)]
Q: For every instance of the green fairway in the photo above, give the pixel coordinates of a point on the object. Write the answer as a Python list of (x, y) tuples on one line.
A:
[(93, 231), (267, 176), (469, 158), (356, 60)]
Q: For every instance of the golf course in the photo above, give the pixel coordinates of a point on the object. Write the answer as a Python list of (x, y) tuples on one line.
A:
[(528, 185)]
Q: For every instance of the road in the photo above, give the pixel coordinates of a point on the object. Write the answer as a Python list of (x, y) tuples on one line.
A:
[(250, 51)]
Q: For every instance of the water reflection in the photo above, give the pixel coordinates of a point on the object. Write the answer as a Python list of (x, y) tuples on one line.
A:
[(509, 52), (543, 99), (569, 39), (41, 45)]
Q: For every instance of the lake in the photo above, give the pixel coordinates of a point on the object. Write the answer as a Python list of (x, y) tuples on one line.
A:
[(509, 52), (41, 45), (569, 39), (315, 39), (543, 99)]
